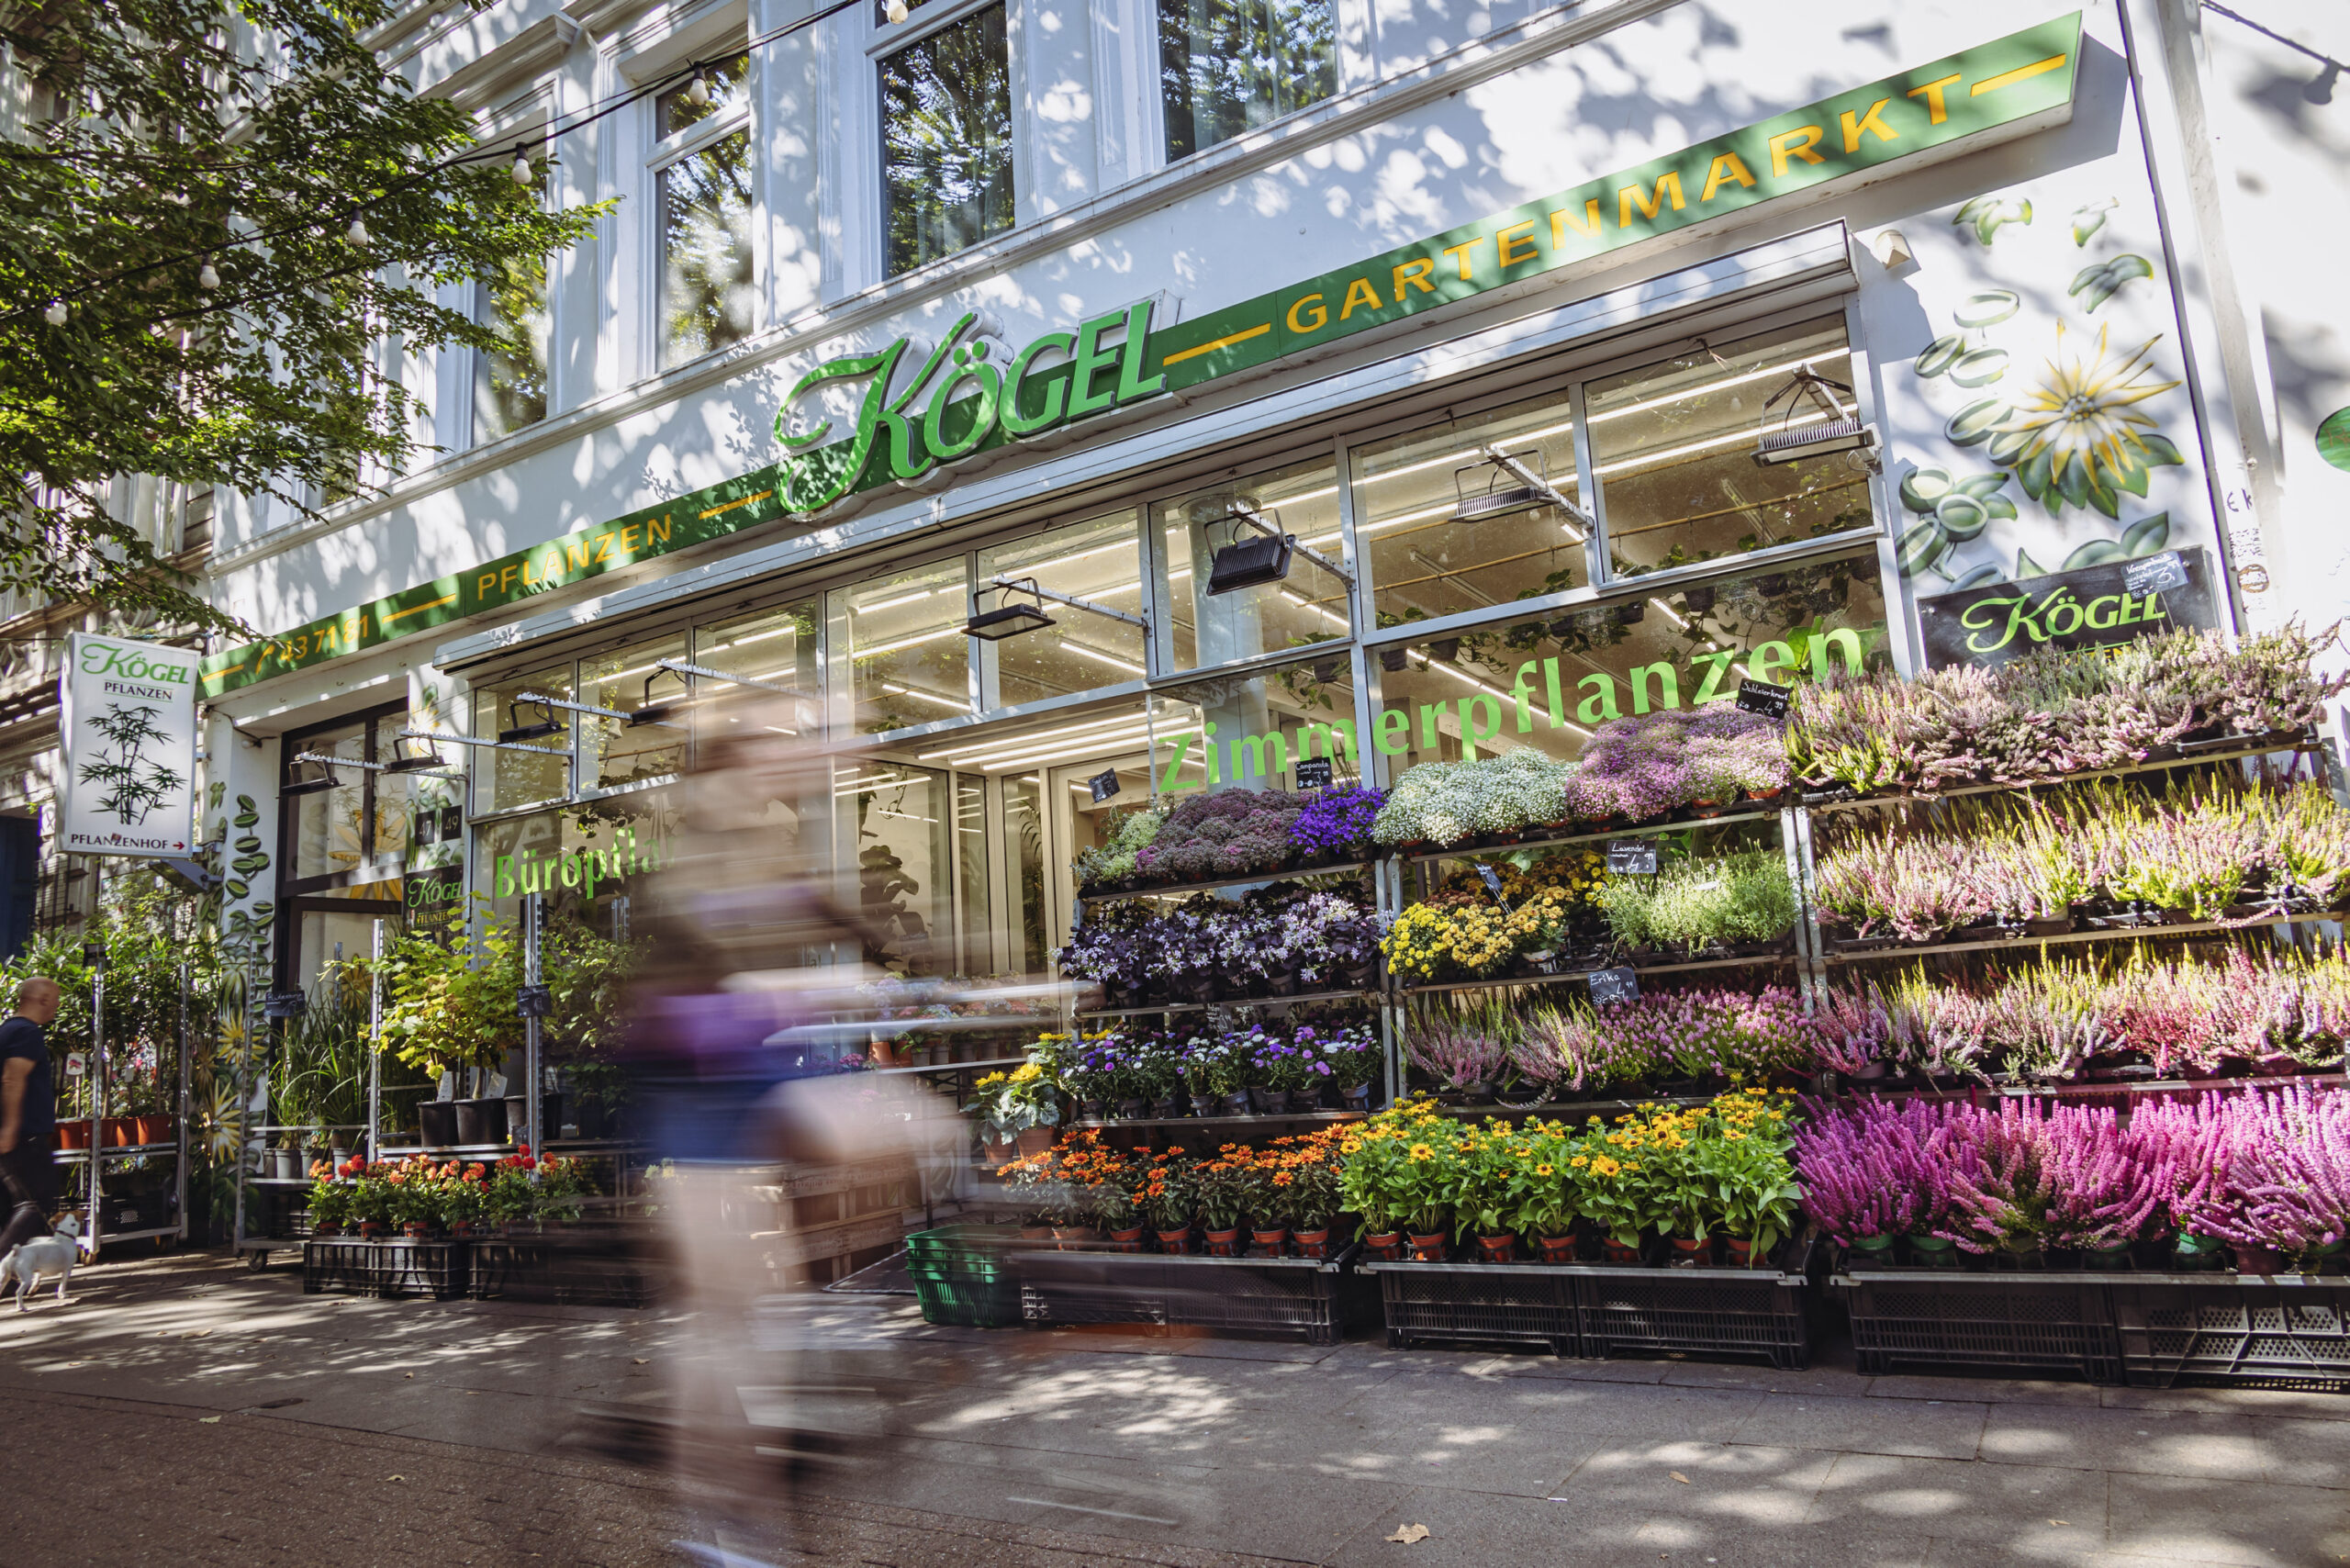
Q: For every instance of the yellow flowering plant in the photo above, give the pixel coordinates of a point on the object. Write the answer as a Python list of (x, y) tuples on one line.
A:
[(1505, 1180), (1009, 1103), (1396, 1170)]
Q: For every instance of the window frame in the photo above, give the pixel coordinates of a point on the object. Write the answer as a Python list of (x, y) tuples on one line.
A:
[(884, 39), (1153, 78), (663, 153)]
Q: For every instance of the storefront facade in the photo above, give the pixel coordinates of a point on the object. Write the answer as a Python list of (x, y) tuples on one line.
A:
[(1593, 362)]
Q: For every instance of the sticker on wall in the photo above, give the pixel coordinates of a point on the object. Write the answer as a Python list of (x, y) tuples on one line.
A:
[(2047, 427), (2333, 438)]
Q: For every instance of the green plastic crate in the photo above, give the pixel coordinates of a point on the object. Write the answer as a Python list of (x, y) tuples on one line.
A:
[(968, 1304), (960, 1275)]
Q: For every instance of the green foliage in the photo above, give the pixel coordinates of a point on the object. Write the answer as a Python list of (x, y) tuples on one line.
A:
[(155, 143), (454, 1005), (1744, 897)]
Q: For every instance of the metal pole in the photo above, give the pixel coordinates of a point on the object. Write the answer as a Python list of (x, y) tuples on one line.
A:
[(531, 1074), (98, 1052), (179, 1124), (376, 1047)]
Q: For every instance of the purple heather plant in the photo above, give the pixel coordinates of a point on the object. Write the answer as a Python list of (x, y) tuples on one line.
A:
[(1220, 835), (1872, 1168), (1335, 823)]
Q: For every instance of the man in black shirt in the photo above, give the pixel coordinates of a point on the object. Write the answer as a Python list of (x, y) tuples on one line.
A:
[(28, 1114)]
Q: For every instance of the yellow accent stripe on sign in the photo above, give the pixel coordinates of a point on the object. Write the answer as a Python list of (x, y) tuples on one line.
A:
[(386, 620), (730, 506), (1182, 354), (2021, 74)]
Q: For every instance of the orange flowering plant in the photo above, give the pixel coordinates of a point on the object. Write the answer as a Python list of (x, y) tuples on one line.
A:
[(1302, 1177), (1168, 1187), (1078, 1181)]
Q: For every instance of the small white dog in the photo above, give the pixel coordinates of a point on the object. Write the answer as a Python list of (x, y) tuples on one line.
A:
[(29, 1264)]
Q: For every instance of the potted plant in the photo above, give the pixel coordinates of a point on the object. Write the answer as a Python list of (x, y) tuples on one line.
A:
[(451, 1009), (1306, 1187), (1222, 1195), (1167, 1191), (331, 1198)]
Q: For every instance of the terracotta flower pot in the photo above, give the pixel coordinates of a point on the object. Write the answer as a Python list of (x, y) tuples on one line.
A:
[(155, 1130), (1035, 1232), (1741, 1252), (1269, 1239), (1036, 1140), (417, 1230), (1176, 1243), (1695, 1254), (1386, 1246), (116, 1132), (1616, 1251), (1071, 1238), (1224, 1243), (1427, 1249), (1313, 1243), (1555, 1249), (74, 1134), (1128, 1237), (372, 1230), (1498, 1248)]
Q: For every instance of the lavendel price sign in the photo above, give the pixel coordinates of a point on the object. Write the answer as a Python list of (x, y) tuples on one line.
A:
[(129, 727)]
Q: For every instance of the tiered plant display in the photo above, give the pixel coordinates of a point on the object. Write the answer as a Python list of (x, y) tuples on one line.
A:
[(1934, 977)]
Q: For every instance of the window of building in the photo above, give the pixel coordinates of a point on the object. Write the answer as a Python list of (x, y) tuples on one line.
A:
[(504, 777), (894, 830), (775, 647), (1674, 443), (1452, 518), (510, 381), (614, 752), (707, 297), (947, 141), (900, 655), (1252, 730), (1100, 561), (1228, 66), (342, 850), (1308, 605)]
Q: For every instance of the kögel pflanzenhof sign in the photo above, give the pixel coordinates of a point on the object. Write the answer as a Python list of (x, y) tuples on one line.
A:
[(2012, 84), (2094, 606), (128, 723)]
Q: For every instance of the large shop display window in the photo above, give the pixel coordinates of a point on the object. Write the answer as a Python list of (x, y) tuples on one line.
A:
[(1308, 605), (1674, 444), (897, 649), (344, 840), (583, 861), (1099, 561)]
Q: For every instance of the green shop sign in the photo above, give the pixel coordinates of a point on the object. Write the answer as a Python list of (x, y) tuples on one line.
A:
[(1120, 359)]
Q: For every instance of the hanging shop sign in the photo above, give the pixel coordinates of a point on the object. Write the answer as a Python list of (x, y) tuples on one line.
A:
[(2094, 606), (128, 723), (2010, 86)]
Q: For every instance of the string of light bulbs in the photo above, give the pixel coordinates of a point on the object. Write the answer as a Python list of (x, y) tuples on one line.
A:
[(57, 311)]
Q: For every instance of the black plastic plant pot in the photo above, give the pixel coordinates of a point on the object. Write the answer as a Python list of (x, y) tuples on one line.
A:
[(1445, 650), (1327, 670), (480, 1121), (517, 1117), (1392, 658), (1698, 600), (437, 1123)]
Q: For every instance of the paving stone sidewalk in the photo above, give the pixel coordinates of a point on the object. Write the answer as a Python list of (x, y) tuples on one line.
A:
[(185, 1411)]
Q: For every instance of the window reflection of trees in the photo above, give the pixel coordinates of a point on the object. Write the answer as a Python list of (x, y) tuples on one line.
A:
[(1228, 66), (707, 295), (947, 141)]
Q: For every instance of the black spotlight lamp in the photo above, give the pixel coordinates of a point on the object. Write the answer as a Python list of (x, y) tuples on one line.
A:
[(403, 762), (1837, 430), (515, 731), (319, 783), (1513, 482), (1013, 616), (1260, 557), (648, 711)]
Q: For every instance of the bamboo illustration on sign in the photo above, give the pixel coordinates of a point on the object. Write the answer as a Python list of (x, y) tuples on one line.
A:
[(135, 787)]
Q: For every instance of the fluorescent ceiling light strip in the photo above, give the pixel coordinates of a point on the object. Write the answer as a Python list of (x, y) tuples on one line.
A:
[(1651, 459), (1105, 658), (927, 696), (875, 653), (1093, 748), (893, 603), (998, 742), (1696, 388), (754, 637), (1036, 746)]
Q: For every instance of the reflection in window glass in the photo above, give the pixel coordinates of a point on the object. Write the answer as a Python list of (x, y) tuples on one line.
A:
[(1228, 66), (1548, 682), (776, 647), (394, 795), (1253, 731), (947, 141), (1023, 832), (504, 779), (331, 829), (972, 872), (618, 752), (709, 298), (1307, 607), (1409, 490), (727, 86), (1674, 443), (578, 859), (893, 823), (1102, 561), (510, 382), (901, 637)]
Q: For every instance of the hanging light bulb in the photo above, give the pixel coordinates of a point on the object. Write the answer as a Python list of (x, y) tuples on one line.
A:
[(55, 314), (206, 278), (357, 233), (697, 91), (523, 173), (894, 9)]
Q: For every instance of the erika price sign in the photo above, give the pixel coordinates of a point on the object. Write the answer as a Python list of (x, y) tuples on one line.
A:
[(2096, 607), (129, 731)]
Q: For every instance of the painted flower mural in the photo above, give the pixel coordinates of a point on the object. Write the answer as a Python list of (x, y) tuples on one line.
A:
[(2078, 438)]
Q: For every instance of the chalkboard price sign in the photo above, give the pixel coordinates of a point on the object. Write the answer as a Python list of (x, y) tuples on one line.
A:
[(1762, 696), (1103, 785), (1314, 774), (1631, 857), (1614, 985), (2155, 572)]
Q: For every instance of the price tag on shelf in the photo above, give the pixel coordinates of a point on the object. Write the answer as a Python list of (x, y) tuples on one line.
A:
[(1103, 785), (1762, 696), (1614, 985), (1314, 774), (1631, 857), (1493, 880), (76, 1065), (2155, 574)]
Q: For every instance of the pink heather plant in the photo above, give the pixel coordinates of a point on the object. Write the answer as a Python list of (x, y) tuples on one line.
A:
[(1873, 1168)]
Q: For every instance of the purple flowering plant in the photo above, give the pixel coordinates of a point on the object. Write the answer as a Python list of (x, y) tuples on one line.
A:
[(1335, 823)]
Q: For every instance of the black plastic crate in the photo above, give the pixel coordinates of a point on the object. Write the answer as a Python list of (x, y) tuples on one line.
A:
[(2260, 1331), (1478, 1303), (1761, 1312), (342, 1266), (595, 1271), (2046, 1322), (1289, 1297)]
